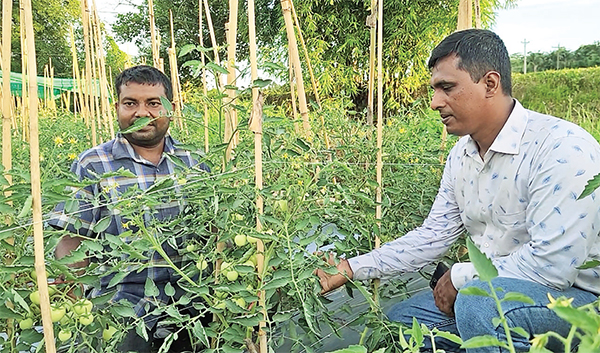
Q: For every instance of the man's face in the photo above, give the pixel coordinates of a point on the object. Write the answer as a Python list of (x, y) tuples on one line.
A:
[(460, 101), (142, 100)]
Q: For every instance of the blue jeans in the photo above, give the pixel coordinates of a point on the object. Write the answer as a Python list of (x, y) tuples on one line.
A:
[(474, 314)]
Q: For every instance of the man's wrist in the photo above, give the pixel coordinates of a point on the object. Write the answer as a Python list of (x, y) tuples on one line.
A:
[(345, 269)]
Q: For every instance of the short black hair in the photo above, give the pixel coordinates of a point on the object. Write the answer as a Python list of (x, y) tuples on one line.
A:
[(479, 51), (144, 75)]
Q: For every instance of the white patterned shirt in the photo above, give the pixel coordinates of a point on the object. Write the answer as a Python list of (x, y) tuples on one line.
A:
[(518, 204)]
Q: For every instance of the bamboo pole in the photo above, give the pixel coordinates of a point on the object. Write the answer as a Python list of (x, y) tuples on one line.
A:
[(465, 14), (379, 117), (155, 45), (256, 126), (293, 94), (94, 88), (6, 95), (88, 69), (372, 23), (78, 84), (38, 231), (213, 40), (477, 14), (51, 88), (305, 50), (24, 73), (204, 89), (104, 95), (293, 50), (231, 113), (175, 76)]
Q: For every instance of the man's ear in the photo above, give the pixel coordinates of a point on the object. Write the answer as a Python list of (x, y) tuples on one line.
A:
[(492, 81)]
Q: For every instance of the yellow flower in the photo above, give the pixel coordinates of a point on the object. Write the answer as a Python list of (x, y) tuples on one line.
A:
[(58, 141), (125, 225), (390, 122), (560, 302), (72, 156), (285, 156), (401, 130), (182, 181), (72, 141), (300, 182)]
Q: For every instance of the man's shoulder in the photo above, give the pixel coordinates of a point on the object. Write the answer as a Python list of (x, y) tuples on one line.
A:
[(95, 153), (555, 129)]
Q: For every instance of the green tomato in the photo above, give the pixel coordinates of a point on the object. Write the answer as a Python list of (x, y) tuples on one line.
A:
[(26, 324), (190, 248), (249, 263), (86, 319), (35, 297), (64, 335), (33, 275), (254, 259), (109, 332), (240, 302), (232, 275), (202, 265), (83, 306), (240, 240), (251, 239), (220, 305), (57, 313), (225, 266), (283, 205)]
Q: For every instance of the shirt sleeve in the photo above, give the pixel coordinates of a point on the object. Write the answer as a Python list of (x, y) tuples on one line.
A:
[(82, 218), (562, 229), (420, 246)]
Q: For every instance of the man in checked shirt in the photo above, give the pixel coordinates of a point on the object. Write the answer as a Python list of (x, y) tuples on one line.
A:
[(512, 183), (148, 154)]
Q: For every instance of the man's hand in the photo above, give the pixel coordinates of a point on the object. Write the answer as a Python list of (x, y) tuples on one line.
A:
[(331, 282), (445, 294)]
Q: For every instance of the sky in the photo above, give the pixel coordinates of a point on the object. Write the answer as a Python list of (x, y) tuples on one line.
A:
[(545, 24)]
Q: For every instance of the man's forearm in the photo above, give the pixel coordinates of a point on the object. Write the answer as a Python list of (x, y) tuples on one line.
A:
[(64, 247)]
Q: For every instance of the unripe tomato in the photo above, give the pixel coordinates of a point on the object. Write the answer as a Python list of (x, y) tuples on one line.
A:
[(86, 319), (251, 239), (202, 265), (26, 324), (190, 248), (57, 313), (64, 335), (83, 306), (35, 297), (232, 275), (240, 302), (107, 333), (240, 240), (220, 305)]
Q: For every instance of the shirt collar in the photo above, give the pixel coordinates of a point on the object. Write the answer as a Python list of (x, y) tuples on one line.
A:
[(123, 149), (509, 138)]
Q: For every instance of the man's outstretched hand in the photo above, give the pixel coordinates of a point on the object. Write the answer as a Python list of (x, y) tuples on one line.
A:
[(445, 294), (331, 282)]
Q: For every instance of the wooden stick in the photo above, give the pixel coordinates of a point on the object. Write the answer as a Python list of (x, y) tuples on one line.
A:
[(293, 50), (175, 76), (477, 14), (231, 113), (204, 89), (293, 94), (372, 23), (24, 73), (88, 69), (155, 45), (106, 112), (94, 89), (36, 192), (379, 117), (465, 14), (78, 84), (256, 126), (213, 40), (310, 69), (6, 96)]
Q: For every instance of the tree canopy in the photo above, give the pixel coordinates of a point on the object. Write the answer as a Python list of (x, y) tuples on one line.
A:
[(585, 56)]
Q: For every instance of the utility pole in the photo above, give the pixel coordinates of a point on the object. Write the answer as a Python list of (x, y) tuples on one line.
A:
[(557, 55), (525, 55)]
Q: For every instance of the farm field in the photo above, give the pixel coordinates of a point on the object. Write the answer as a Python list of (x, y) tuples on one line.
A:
[(251, 231)]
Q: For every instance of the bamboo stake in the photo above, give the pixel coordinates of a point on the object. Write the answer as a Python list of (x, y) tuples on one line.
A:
[(106, 112), (6, 96), (379, 117), (231, 114), (477, 14), (175, 76), (94, 88), (213, 40), (310, 69), (155, 47), (293, 50), (88, 69), (204, 89), (256, 126), (51, 88), (78, 89), (293, 94), (36, 193), (372, 23), (24, 73)]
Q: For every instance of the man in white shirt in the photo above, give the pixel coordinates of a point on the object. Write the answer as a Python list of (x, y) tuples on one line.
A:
[(511, 182)]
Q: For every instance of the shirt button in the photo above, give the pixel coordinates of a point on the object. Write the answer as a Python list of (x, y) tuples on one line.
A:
[(486, 245)]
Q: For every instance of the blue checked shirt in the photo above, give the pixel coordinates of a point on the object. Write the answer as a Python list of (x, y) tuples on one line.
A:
[(518, 204), (97, 198)]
